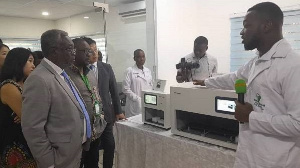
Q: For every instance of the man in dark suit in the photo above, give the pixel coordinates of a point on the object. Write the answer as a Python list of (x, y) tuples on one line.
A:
[(110, 99), (55, 122)]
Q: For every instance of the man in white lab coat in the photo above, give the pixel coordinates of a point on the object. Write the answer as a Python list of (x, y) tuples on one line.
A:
[(137, 78), (270, 134)]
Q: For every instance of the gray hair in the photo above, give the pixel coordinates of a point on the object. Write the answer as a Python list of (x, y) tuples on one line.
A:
[(50, 39)]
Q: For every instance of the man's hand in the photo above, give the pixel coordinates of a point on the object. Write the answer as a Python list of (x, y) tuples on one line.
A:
[(182, 76), (199, 82), (120, 117), (17, 120), (242, 111)]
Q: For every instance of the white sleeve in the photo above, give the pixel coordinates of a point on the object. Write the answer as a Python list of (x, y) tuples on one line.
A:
[(227, 81), (151, 80), (287, 123), (127, 86), (215, 69)]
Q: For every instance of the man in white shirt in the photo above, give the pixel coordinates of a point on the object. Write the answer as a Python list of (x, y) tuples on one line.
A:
[(137, 78), (208, 64)]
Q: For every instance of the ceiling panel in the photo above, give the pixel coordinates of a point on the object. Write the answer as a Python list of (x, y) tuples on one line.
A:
[(15, 4), (57, 8)]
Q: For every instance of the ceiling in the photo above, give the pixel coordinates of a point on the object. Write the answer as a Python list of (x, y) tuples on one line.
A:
[(57, 8)]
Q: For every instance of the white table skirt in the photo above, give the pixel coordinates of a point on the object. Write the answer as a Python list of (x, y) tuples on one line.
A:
[(145, 146)]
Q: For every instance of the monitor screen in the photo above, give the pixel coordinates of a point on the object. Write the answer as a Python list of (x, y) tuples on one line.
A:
[(225, 105), (150, 99)]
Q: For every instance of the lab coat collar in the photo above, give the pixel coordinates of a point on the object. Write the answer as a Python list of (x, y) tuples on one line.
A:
[(275, 51), (194, 56), (279, 50), (139, 71), (136, 68)]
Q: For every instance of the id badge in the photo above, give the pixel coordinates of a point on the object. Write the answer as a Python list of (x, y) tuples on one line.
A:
[(97, 108)]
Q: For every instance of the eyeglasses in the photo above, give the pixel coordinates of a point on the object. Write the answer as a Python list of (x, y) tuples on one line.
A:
[(86, 51), (71, 50)]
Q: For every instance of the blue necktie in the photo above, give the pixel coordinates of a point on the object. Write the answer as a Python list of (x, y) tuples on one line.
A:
[(78, 98), (93, 68)]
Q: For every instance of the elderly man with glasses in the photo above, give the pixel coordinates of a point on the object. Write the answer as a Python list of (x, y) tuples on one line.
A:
[(55, 121)]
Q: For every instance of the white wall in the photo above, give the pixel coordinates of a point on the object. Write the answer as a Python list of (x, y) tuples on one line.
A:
[(123, 37), (78, 26), (16, 27), (180, 22)]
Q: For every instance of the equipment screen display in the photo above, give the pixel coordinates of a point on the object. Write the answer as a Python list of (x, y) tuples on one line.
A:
[(150, 99), (225, 105)]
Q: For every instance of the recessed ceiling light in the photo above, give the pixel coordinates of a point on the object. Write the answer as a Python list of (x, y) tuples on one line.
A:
[(45, 13), (86, 17)]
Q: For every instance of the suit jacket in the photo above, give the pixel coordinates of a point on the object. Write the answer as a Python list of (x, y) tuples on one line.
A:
[(52, 120), (108, 91)]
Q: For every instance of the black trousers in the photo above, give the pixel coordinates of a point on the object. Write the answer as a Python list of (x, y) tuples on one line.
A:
[(108, 145), (90, 159)]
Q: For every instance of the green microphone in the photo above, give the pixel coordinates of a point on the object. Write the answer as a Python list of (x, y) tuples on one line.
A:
[(240, 89)]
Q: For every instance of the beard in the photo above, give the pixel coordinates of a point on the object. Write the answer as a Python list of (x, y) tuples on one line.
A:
[(252, 43)]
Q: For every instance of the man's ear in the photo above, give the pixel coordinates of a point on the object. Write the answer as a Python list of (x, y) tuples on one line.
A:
[(53, 51), (134, 58), (206, 48), (268, 26)]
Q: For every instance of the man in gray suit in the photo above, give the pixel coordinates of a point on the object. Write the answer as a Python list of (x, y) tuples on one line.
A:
[(54, 120)]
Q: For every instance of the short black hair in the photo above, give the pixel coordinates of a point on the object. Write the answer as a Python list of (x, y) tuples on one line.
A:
[(14, 64), (136, 52), (76, 41), (38, 54), (201, 40), (1, 42), (89, 40), (3, 45), (268, 10), (51, 38)]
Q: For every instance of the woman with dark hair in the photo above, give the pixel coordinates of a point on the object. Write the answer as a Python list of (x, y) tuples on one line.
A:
[(14, 151), (38, 57), (4, 49)]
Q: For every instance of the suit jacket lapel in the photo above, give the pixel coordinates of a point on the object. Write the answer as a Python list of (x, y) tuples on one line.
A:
[(62, 83)]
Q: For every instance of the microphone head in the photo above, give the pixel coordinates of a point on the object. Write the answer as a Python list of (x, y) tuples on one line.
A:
[(240, 86)]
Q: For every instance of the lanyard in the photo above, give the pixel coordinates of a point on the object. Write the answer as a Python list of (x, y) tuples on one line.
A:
[(96, 102), (87, 84)]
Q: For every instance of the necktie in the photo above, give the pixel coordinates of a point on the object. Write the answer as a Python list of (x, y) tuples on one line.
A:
[(93, 68), (80, 101)]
